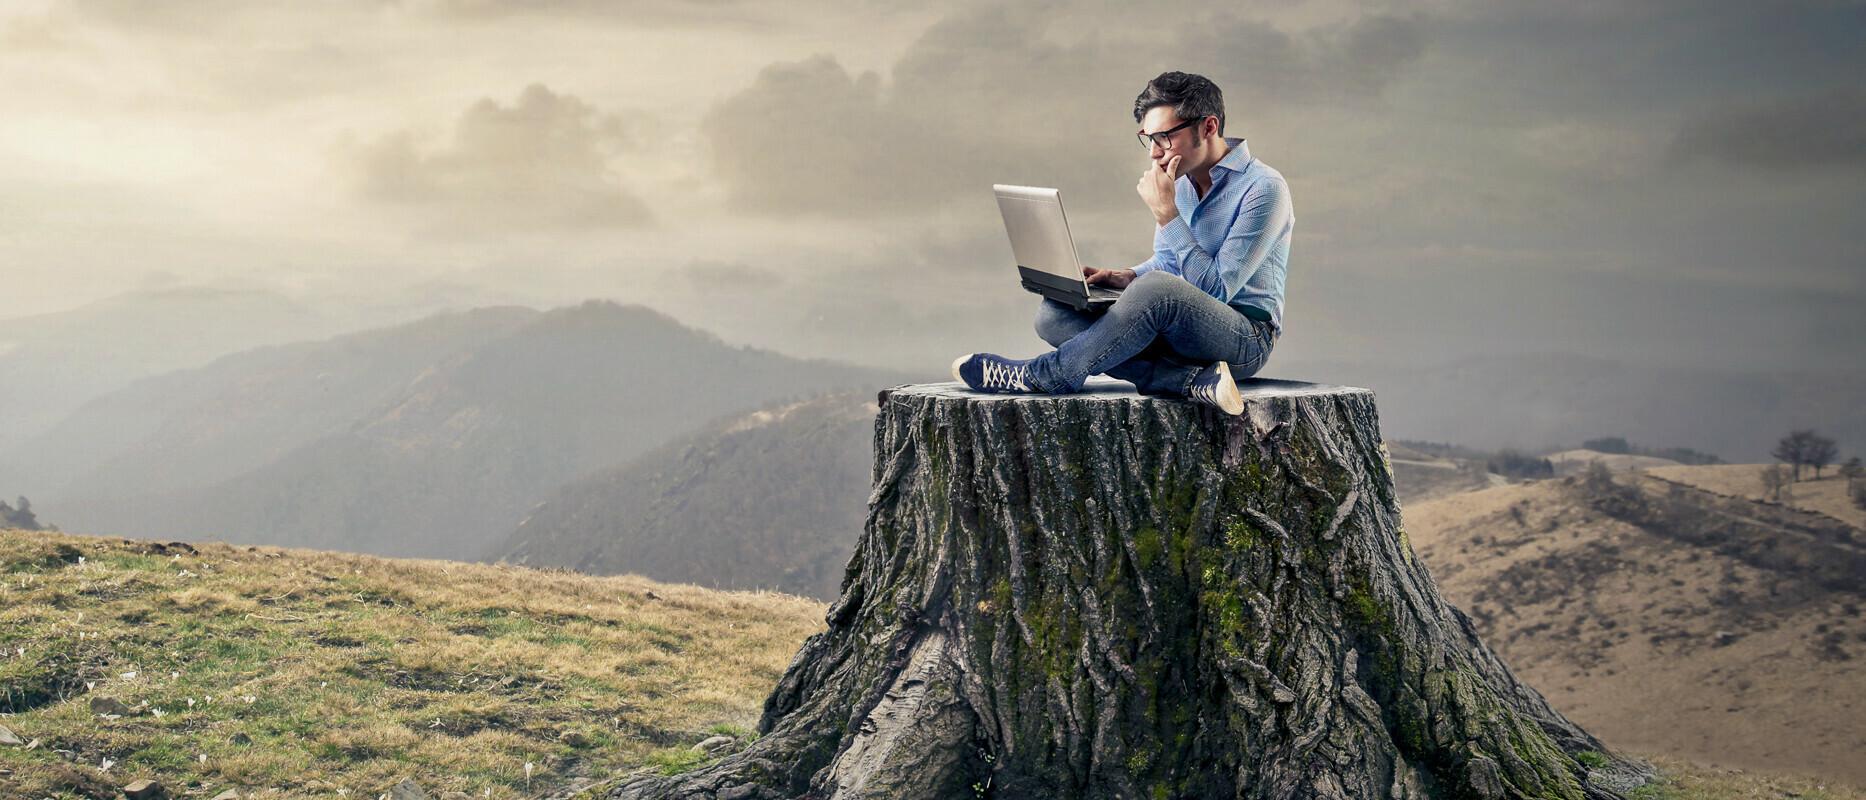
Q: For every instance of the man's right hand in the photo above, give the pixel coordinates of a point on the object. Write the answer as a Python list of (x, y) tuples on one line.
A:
[(1112, 278)]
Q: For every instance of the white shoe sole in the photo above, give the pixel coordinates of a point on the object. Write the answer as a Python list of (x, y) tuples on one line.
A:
[(1230, 400), (955, 368)]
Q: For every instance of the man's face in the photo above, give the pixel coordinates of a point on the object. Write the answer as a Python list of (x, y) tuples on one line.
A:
[(1188, 143)]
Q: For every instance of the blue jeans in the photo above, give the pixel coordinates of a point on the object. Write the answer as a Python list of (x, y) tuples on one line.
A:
[(1158, 336)]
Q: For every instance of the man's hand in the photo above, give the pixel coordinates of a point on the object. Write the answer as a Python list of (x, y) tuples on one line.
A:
[(1113, 278), (1156, 188)]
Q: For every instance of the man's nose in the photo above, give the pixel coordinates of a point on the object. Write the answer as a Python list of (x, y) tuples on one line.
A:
[(1156, 151)]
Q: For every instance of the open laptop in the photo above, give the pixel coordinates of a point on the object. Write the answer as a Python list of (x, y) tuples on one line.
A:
[(1046, 254)]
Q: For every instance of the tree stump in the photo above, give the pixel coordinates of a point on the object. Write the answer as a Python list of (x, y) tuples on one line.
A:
[(1109, 595)]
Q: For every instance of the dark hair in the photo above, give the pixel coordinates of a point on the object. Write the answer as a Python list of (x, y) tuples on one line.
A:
[(1192, 97)]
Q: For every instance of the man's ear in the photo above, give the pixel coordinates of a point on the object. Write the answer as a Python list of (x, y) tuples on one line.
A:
[(1208, 127)]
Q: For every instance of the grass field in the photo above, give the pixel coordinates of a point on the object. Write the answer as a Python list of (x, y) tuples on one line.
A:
[(286, 674), (307, 674)]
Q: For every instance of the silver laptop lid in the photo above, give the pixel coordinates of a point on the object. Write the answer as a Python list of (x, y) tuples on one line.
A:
[(1039, 233)]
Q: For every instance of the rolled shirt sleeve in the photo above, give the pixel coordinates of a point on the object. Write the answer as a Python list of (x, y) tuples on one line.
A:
[(1233, 244), (1263, 219)]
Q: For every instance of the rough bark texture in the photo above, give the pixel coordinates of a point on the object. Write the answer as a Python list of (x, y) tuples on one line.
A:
[(1109, 595)]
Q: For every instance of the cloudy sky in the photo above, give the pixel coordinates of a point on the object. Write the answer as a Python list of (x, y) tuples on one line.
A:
[(1659, 182)]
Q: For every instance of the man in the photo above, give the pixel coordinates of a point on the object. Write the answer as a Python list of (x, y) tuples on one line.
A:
[(1208, 306)]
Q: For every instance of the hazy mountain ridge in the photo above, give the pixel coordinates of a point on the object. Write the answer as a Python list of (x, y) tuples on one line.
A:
[(1536, 402), (194, 427), (451, 458), (54, 363), (771, 499)]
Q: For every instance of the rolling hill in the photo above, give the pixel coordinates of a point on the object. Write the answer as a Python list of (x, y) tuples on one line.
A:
[(769, 500), (196, 427), (1669, 618), (436, 449), (54, 363)]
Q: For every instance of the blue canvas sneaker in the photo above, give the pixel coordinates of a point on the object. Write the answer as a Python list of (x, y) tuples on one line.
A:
[(990, 373), (1214, 387)]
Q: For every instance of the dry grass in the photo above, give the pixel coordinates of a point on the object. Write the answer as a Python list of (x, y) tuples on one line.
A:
[(1654, 645), (334, 675), (1688, 781), (1828, 495)]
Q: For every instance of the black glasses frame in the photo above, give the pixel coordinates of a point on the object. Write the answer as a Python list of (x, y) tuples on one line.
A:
[(1164, 138)]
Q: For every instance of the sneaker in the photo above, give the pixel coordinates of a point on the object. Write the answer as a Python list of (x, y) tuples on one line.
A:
[(1214, 387), (985, 372)]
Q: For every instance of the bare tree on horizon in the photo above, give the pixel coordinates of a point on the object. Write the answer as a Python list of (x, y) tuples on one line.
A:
[(1806, 448)]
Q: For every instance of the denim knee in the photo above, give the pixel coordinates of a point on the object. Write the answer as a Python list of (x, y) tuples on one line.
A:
[(1152, 284), (1057, 323)]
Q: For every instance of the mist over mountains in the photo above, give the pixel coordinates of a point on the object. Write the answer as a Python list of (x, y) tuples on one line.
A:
[(53, 363), (1557, 400), (430, 439), (774, 499), (437, 437)]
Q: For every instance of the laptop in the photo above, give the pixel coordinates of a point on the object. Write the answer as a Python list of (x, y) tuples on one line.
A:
[(1046, 254)]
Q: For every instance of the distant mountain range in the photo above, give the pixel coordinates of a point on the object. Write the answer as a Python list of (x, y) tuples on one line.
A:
[(768, 500), (1538, 402), (429, 439), (50, 364)]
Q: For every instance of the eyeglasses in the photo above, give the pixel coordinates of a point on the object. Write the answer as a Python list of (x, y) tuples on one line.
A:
[(1164, 138)]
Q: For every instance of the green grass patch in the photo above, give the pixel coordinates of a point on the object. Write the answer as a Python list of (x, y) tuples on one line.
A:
[(311, 673)]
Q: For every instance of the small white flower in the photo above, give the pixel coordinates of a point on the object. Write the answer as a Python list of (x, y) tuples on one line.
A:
[(191, 702), (90, 684), (127, 675), (249, 699), (107, 763), (157, 713), (201, 757), (174, 675)]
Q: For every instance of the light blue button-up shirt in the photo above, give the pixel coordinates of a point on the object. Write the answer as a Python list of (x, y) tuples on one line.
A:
[(1234, 243)]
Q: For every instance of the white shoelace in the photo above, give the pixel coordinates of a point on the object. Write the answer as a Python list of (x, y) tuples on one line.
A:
[(1004, 376)]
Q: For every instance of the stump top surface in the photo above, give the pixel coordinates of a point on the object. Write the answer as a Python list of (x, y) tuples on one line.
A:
[(1109, 389)]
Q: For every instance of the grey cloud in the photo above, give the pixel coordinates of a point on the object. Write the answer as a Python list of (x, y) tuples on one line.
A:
[(709, 14), (537, 164), (718, 275), (990, 95), (1348, 63), (1822, 128), (179, 17)]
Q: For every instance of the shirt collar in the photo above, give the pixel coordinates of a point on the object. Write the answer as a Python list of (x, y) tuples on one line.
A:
[(1238, 159)]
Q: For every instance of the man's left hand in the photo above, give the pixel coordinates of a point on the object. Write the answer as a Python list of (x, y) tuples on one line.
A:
[(1156, 188)]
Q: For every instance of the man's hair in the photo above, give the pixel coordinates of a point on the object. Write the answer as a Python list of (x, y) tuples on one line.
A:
[(1191, 96)]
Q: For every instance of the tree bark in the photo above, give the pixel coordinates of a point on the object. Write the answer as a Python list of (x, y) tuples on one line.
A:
[(1109, 595)]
